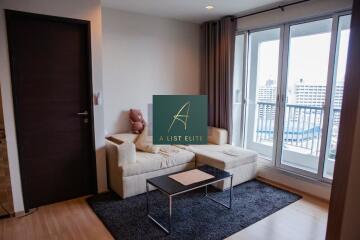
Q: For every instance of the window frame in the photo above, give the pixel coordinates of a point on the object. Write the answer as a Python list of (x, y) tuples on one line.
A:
[(281, 91), (243, 84), (247, 78)]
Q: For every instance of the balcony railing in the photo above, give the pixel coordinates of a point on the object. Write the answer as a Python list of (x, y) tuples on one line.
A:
[(302, 127)]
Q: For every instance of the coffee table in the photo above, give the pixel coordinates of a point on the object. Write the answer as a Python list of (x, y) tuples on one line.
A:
[(172, 188)]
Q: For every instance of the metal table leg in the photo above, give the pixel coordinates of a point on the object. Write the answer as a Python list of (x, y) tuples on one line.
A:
[(167, 230), (147, 198), (170, 212), (230, 195), (231, 190)]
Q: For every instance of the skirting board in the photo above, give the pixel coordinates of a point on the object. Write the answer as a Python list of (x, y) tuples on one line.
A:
[(316, 189), (23, 213)]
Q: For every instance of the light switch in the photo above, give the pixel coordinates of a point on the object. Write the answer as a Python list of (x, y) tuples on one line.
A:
[(97, 99)]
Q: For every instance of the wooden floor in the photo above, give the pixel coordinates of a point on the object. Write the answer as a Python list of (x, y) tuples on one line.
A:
[(305, 219), (66, 220), (302, 220)]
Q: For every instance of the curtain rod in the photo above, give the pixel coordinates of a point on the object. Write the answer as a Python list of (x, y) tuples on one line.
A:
[(271, 9)]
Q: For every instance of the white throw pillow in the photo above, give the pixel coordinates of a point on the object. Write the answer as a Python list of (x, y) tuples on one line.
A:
[(126, 153), (144, 142)]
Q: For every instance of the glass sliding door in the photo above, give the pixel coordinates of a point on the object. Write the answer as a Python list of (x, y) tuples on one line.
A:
[(305, 84), (289, 82), (263, 64), (238, 89), (337, 93)]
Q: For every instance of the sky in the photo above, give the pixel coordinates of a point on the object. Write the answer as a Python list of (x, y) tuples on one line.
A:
[(308, 59)]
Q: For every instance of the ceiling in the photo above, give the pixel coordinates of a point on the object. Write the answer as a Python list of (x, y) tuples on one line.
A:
[(189, 10)]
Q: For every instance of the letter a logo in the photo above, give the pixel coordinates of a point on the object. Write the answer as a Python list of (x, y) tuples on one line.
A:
[(181, 116)]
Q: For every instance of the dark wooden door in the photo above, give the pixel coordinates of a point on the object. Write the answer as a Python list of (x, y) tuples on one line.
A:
[(51, 79)]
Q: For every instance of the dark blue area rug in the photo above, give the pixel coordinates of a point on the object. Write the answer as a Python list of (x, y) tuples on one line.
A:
[(194, 217)]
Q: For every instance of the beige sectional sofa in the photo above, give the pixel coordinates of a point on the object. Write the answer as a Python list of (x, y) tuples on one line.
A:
[(128, 179)]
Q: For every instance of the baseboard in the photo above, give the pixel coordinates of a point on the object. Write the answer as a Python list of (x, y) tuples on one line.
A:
[(313, 188), (24, 213), (19, 214), (290, 189)]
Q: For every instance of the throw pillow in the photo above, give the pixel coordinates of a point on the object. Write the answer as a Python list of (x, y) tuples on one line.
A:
[(126, 153)]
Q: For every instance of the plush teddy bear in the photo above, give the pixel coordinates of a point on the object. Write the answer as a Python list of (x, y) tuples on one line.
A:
[(137, 121)]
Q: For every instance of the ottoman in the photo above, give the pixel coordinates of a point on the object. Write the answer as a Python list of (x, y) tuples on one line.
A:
[(240, 162)]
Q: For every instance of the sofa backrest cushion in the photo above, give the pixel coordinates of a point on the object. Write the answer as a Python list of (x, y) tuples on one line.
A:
[(217, 135), (123, 137)]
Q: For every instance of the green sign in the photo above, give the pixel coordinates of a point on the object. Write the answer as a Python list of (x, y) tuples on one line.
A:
[(180, 119)]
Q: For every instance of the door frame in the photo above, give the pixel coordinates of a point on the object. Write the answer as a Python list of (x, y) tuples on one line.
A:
[(327, 105), (281, 92), (283, 96), (329, 97), (11, 14)]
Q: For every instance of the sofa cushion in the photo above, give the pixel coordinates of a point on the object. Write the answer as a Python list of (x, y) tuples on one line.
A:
[(168, 156), (222, 156), (123, 137), (217, 135), (126, 153)]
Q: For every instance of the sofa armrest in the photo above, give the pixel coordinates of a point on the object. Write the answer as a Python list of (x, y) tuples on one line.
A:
[(114, 169), (217, 136), (112, 152)]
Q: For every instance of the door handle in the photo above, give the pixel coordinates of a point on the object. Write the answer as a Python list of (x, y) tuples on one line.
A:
[(85, 113)]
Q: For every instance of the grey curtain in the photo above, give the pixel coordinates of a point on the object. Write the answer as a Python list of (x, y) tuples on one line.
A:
[(217, 65)]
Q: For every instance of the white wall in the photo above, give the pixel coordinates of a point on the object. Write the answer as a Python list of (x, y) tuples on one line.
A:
[(314, 8), (144, 56), (81, 9)]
